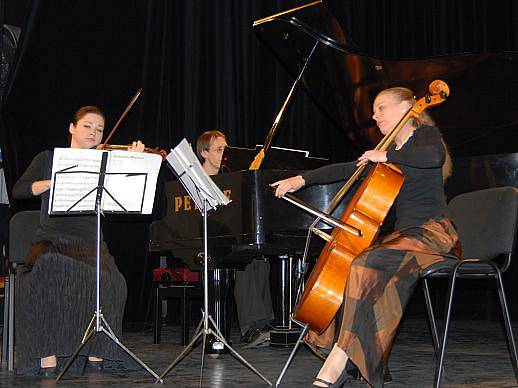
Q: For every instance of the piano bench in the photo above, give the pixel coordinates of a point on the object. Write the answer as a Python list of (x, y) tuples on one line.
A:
[(184, 293)]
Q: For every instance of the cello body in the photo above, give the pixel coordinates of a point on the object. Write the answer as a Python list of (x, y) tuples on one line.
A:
[(324, 290)]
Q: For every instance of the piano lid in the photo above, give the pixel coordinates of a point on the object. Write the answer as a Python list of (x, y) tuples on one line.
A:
[(479, 117)]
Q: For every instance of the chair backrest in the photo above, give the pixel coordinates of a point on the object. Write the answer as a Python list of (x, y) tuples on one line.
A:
[(22, 227), (486, 221)]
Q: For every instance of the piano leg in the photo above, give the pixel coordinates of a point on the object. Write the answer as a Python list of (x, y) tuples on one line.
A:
[(220, 291), (284, 332)]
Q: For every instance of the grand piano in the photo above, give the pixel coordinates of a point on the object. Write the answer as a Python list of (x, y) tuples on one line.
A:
[(253, 225), (314, 45)]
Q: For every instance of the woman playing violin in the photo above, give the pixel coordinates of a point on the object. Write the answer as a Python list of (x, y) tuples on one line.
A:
[(382, 278), (56, 296)]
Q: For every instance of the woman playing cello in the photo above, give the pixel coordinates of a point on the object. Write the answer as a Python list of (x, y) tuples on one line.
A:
[(382, 278)]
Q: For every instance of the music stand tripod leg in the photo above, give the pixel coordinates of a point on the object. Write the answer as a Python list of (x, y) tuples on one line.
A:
[(112, 336), (89, 333), (204, 343), (292, 354), (207, 319), (198, 332), (220, 337)]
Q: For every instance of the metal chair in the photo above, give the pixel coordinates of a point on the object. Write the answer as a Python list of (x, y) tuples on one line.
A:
[(486, 221), (22, 227)]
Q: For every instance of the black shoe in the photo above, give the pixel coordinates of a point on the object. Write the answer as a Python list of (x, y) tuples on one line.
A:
[(261, 340), (250, 336), (387, 377), (340, 381), (327, 383), (352, 370)]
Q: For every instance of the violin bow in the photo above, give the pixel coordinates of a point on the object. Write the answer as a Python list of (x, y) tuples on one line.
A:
[(130, 105)]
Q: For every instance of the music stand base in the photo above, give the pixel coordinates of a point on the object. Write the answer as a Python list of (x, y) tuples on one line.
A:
[(90, 332), (202, 330)]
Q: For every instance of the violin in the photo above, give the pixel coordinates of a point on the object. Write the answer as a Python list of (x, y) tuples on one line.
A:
[(126, 147), (112, 147)]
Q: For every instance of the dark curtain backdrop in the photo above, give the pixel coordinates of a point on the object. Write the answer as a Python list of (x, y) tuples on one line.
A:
[(426, 28), (204, 69), (201, 68)]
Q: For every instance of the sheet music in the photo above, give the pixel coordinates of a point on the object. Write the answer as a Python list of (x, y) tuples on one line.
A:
[(68, 188), (130, 163), (194, 178), (131, 179)]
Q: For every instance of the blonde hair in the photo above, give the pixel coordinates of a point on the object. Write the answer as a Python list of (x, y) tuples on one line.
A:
[(401, 94)]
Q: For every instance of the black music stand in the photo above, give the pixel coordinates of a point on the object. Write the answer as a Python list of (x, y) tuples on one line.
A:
[(207, 196), (98, 323)]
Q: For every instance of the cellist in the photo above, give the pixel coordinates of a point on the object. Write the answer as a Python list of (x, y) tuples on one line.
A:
[(383, 277)]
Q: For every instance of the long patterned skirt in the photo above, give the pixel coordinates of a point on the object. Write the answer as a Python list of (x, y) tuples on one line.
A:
[(381, 281), (55, 300)]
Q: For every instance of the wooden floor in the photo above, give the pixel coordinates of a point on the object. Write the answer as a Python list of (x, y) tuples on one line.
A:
[(477, 356)]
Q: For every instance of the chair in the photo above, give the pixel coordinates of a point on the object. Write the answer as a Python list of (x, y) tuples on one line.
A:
[(22, 227), (486, 222)]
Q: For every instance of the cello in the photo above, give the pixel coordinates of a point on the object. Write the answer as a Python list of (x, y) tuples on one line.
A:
[(324, 289)]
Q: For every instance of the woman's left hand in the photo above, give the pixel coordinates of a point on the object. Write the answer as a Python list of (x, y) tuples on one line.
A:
[(372, 156), (137, 146)]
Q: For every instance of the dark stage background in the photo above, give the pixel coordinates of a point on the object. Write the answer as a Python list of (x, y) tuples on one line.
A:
[(200, 68)]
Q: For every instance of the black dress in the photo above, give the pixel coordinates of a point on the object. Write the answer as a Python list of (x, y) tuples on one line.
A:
[(55, 296)]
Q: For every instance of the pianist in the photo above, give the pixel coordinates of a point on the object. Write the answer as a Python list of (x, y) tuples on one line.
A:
[(56, 290), (252, 286), (383, 277)]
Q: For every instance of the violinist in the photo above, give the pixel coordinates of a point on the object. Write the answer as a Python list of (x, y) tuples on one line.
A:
[(383, 277), (56, 293)]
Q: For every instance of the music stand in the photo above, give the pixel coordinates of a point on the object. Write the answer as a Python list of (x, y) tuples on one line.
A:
[(101, 325), (207, 197)]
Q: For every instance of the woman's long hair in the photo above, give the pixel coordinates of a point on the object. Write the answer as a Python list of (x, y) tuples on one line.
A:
[(404, 94)]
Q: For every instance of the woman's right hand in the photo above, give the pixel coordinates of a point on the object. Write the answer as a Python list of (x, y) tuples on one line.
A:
[(288, 185)]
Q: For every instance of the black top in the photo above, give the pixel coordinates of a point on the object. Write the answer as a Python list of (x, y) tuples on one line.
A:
[(53, 228), (421, 159)]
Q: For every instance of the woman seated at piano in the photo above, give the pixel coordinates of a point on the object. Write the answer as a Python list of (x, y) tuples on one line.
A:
[(252, 286), (56, 287), (383, 277)]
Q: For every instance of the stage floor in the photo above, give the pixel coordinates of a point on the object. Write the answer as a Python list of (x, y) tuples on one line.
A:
[(477, 356)]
